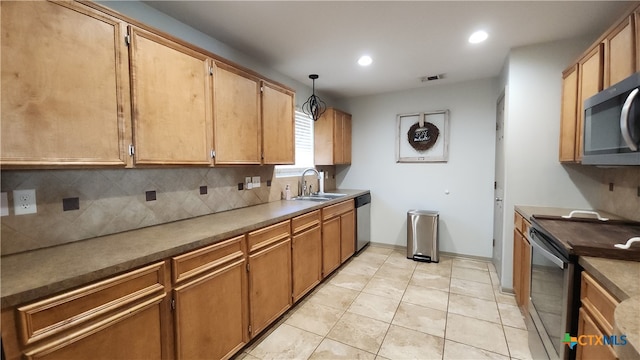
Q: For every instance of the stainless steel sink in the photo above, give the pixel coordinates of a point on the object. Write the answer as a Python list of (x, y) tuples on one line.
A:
[(320, 197), (331, 195)]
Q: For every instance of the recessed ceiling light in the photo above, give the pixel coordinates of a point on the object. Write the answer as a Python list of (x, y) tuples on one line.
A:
[(365, 60), (478, 37)]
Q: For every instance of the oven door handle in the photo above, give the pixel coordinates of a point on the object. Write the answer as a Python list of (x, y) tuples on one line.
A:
[(547, 254)]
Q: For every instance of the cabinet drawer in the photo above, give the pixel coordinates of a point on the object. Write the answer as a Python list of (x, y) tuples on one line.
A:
[(266, 236), (599, 303), (525, 227), (517, 221), (337, 209), (199, 261), (54, 315), (303, 222)]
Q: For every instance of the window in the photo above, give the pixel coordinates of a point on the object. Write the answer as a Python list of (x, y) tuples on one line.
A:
[(304, 147)]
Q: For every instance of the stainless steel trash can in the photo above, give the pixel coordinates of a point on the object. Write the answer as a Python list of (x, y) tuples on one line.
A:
[(422, 235)]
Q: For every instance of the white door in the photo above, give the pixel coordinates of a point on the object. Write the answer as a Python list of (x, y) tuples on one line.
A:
[(498, 210)]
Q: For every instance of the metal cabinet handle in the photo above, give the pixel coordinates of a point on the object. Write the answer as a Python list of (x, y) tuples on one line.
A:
[(624, 121)]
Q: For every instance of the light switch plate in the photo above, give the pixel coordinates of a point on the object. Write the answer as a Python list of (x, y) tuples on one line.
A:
[(256, 181), (5, 204)]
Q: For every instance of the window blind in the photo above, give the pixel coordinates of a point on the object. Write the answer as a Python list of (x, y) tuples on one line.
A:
[(304, 147)]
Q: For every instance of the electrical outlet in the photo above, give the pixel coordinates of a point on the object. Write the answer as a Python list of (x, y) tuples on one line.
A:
[(256, 181), (247, 182), (24, 202)]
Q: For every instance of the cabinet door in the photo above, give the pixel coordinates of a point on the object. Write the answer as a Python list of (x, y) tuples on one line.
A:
[(211, 300), (209, 314), (568, 117), (620, 52), (346, 139), (306, 257), (135, 335), (587, 326), (338, 138), (525, 281), (278, 125), (347, 235), (171, 90), (323, 130), (330, 245), (269, 284), (236, 108), (590, 83), (517, 266), (64, 85)]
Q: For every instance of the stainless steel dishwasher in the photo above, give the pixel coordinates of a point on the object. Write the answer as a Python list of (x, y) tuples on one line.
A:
[(363, 221)]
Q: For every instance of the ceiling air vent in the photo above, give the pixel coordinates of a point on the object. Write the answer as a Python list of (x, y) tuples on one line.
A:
[(432, 77)]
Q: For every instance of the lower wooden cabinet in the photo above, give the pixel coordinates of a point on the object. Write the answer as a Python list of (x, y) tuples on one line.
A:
[(595, 318), (117, 318), (338, 235), (269, 274), (347, 235), (330, 245), (521, 261), (222, 295), (306, 253), (211, 313)]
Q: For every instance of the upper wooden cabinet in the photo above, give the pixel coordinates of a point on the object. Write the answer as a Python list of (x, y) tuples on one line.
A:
[(171, 94), (568, 116), (608, 61), (590, 70), (333, 138), (236, 97), (620, 52), (79, 90), (64, 86), (278, 125)]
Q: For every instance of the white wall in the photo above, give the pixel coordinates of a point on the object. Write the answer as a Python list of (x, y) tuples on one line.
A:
[(532, 131), (466, 214)]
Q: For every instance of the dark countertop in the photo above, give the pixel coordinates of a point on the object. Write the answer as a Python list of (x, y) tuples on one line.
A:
[(621, 278), (34, 274)]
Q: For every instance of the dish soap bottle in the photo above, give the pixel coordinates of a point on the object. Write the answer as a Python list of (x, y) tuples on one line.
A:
[(287, 193)]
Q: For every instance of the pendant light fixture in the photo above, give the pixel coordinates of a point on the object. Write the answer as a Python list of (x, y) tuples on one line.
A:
[(314, 106)]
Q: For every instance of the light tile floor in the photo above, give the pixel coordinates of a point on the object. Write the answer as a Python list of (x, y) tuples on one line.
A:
[(380, 305)]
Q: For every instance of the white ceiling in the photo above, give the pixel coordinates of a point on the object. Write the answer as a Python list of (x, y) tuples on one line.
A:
[(407, 39)]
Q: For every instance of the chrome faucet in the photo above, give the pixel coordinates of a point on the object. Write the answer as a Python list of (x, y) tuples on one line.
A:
[(302, 186)]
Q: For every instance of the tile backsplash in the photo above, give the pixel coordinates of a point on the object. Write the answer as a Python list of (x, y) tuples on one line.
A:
[(620, 192), (112, 201)]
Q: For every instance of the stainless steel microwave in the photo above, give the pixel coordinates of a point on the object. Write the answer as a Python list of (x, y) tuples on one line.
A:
[(612, 125)]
